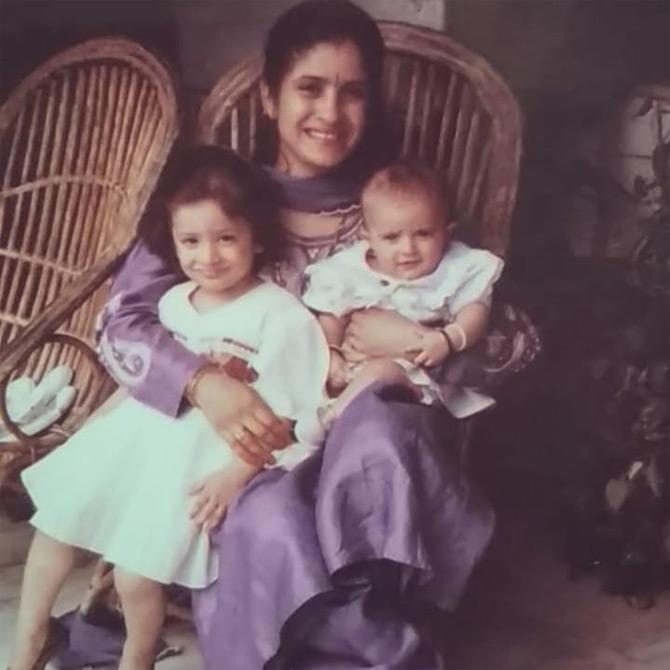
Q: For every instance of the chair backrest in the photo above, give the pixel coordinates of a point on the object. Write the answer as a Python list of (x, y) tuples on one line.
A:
[(82, 141), (447, 105)]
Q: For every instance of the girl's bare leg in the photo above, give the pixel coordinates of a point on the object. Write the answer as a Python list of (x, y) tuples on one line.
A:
[(143, 604), (49, 563), (380, 369)]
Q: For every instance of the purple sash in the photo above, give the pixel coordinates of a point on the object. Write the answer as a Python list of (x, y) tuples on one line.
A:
[(326, 193)]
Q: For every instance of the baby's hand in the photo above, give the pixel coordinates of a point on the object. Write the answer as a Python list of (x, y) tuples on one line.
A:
[(338, 373), (434, 348), (211, 496)]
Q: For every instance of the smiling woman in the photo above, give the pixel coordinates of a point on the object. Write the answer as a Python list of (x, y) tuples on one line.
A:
[(319, 108)]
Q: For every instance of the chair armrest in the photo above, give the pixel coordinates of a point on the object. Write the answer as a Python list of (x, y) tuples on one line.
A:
[(92, 401), (45, 325)]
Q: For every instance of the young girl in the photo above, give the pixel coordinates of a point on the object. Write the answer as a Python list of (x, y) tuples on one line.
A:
[(406, 262), (139, 487)]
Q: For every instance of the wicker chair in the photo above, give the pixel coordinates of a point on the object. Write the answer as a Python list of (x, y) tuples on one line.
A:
[(449, 108), (82, 141)]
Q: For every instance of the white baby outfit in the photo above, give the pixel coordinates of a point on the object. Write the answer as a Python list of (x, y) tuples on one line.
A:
[(119, 486), (345, 282)]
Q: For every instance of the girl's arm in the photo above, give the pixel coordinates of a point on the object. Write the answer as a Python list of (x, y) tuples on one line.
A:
[(143, 357), (211, 497)]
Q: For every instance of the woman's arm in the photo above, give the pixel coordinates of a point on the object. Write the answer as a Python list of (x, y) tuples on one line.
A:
[(137, 350), (143, 357), (380, 333), (377, 333), (334, 328)]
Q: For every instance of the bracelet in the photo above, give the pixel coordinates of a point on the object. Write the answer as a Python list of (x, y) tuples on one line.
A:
[(445, 334), (461, 332), (189, 391)]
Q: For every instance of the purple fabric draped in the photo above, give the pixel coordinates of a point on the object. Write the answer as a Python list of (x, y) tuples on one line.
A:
[(325, 193), (331, 558)]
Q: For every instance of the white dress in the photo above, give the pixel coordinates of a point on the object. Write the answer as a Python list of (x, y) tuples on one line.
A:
[(119, 486), (345, 282)]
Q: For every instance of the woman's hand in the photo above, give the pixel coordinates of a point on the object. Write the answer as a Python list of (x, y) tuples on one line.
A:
[(241, 417), (380, 333), (211, 497)]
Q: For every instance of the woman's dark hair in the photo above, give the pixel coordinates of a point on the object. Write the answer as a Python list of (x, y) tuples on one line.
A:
[(239, 187), (328, 21)]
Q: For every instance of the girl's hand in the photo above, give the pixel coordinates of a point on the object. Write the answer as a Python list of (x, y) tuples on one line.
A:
[(211, 496), (380, 333), (241, 417), (434, 350)]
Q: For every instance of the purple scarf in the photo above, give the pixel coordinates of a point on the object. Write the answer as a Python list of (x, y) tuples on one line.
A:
[(326, 193)]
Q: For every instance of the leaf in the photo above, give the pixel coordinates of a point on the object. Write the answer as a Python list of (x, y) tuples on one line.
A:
[(654, 478), (640, 186), (660, 162), (616, 492)]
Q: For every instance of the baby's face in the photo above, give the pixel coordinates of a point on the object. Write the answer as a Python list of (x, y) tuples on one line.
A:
[(407, 234)]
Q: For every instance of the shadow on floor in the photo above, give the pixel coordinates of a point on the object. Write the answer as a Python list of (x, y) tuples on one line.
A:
[(523, 612)]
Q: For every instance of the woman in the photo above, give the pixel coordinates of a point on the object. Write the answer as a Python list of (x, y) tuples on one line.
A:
[(328, 565)]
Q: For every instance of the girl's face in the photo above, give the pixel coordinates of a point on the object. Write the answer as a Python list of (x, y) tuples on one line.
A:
[(319, 108), (214, 250), (406, 233)]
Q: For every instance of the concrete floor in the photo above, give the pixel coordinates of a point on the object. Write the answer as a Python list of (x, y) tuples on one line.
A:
[(521, 613)]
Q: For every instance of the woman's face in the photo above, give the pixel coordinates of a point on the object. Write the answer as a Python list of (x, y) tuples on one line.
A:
[(319, 108)]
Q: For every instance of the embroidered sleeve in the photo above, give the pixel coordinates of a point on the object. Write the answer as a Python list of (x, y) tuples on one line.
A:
[(137, 350)]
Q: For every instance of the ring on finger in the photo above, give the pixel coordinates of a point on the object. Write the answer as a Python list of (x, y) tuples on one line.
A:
[(240, 434)]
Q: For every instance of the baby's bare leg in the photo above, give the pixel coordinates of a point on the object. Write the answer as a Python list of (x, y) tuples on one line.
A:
[(48, 564), (143, 603), (378, 369)]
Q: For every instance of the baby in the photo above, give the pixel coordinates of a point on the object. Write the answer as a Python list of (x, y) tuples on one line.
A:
[(406, 262)]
